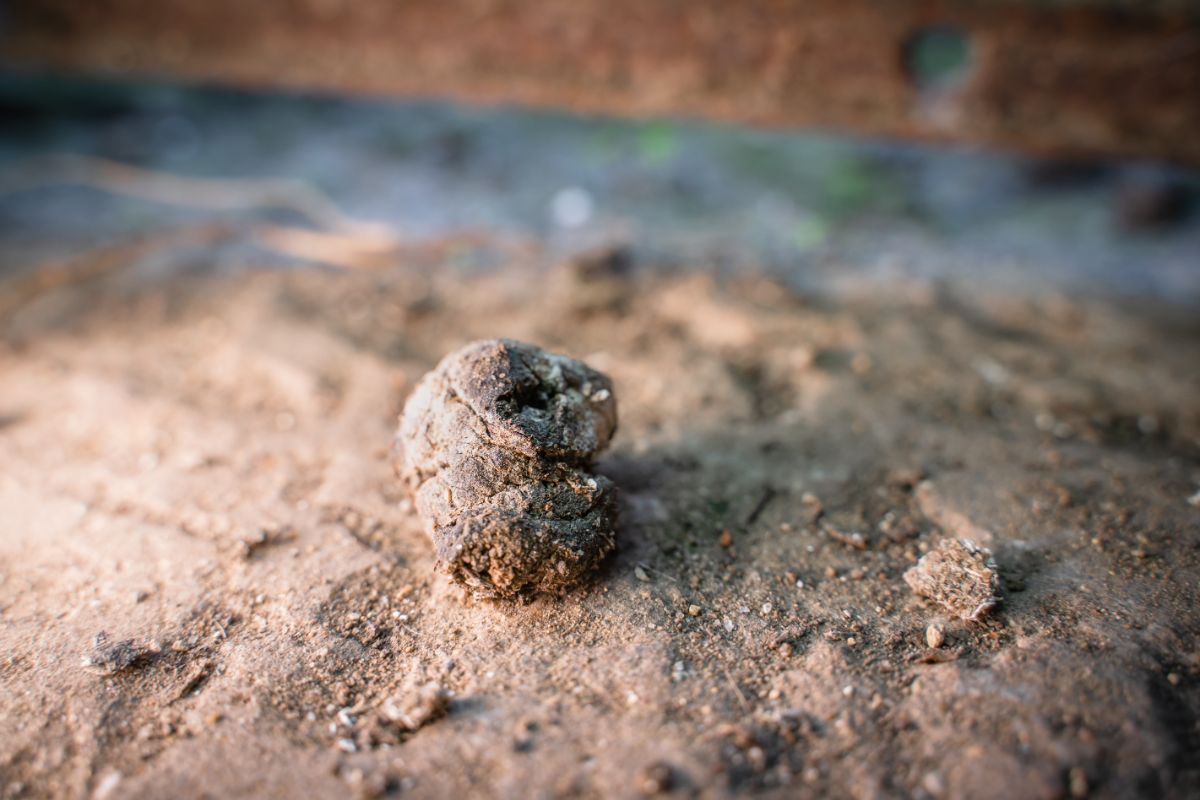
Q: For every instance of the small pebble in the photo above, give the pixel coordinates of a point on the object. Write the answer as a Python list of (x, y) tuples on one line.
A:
[(935, 636), (726, 539), (812, 506), (694, 611), (655, 778), (106, 785)]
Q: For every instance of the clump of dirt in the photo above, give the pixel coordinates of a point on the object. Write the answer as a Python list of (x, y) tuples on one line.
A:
[(495, 444), (411, 710), (958, 575), (109, 658)]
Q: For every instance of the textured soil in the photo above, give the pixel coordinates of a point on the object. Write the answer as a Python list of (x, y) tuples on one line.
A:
[(213, 585)]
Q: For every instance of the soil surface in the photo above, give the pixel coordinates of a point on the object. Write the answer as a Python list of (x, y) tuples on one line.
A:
[(212, 584)]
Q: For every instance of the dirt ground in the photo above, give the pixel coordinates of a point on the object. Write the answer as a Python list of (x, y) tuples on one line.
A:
[(213, 585)]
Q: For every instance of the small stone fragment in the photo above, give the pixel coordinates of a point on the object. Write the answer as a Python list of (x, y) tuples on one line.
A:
[(417, 706), (1078, 782), (655, 778), (958, 575), (107, 785), (935, 635), (496, 443), (933, 784), (813, 509)]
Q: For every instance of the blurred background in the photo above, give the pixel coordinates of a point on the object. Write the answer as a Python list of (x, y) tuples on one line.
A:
[(1020, 144)]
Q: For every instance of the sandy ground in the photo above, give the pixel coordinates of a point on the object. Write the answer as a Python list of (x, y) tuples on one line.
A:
[(212, 585)]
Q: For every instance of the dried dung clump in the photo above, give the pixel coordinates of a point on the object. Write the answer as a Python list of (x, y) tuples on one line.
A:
[(496, 445), (960, 576)]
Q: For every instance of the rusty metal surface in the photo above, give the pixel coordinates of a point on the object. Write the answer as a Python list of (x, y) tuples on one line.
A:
[(1076, 80)]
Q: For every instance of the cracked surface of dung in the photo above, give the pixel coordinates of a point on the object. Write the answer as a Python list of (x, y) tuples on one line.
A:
[(495, 445)]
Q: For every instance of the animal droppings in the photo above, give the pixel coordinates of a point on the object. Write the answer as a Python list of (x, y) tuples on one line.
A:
[(496, 444)]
